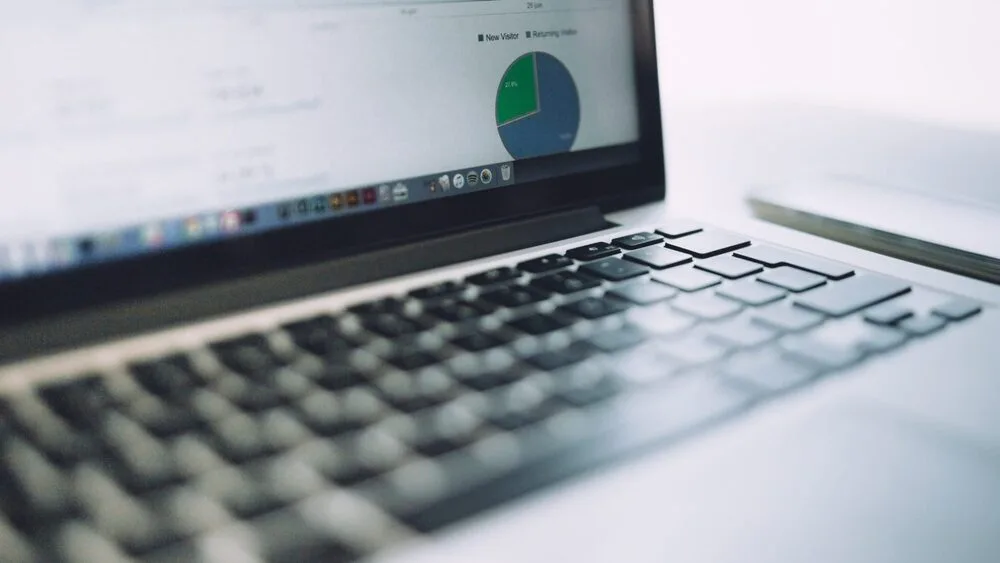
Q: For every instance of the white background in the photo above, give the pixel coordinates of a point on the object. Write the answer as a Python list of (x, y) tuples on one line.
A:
[(772, 91), (927, 59)]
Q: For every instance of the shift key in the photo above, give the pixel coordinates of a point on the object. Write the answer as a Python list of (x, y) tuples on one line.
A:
[(853, 294)]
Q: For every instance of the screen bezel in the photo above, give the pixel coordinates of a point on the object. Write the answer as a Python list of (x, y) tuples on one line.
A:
[(610, 189)]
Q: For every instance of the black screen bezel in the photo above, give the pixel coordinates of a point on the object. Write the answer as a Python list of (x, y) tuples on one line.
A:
[(185, 268)]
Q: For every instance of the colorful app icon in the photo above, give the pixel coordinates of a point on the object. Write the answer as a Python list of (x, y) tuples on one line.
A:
[(230, 222), (385, 193), (210, 223), (109, 243), (400, 192), (63, 251), (369, 196), (445, 182), (336, 202), (353, 199), (458, 181), (194, 228), (152, 236), (86, 247), (486, 176), (319, 205), (472, 178), (506, 171)]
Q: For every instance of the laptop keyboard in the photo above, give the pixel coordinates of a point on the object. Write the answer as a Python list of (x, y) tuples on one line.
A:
[(334, 437)]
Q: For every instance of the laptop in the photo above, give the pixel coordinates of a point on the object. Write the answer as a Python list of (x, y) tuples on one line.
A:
[(397, 281)]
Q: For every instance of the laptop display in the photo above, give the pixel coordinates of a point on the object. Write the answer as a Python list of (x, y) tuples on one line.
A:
[(129, 128)]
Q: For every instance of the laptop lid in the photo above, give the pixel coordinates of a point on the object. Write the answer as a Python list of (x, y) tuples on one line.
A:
[(150, 147)]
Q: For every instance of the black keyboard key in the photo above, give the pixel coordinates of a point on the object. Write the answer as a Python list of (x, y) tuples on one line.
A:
[(493, 369), (879, 339), (410, 360), (320, 336), (439, 291), (556, 359), (329, 414), (167, 422), (515, 296), (923, 325), (519, 405), (614, 269), (819, 353), (774, 257), (887, 314), (688, 279), (64, 449), (171, 378), (255, 398), (566, 283), (752, 293), (791, 279), (288, 537), (82, 401), (338, 376), (143, 539), (239, 440), (694, 350), (617, 340), (7, 429), (644, 293), (538, 325), (742, 333), (445, 430), (594, 251), (766, 371), (638, 240), (658, 257), (246, 497), (413, 392), (853, 294), (708, 243), (585, 385), (393, 326), (457, 311), (545, 264), (679, 228), (594, 308), (788, 319), (495, 276), (729, 267), (480, 341), (382, 306), (958, 309), (706, 306), (251, 356), (33, 493), (139, 461)]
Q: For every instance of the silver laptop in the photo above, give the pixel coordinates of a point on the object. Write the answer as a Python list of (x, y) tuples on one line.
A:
[(326, 281)]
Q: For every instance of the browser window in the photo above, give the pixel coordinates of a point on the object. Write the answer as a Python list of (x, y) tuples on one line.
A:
[(129, 126)]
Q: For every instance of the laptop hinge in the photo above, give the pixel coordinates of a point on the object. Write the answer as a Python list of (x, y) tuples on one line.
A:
[(52, 334)]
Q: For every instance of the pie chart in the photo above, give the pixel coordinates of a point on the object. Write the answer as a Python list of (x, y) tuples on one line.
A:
[(538, 107)]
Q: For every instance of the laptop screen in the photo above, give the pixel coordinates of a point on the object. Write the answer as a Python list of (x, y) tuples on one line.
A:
[(129, 127)]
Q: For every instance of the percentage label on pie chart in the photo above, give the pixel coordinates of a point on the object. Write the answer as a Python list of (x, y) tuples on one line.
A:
[(538, 107)]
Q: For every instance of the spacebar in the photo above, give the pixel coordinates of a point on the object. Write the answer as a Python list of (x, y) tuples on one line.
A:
[(626, 427)]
